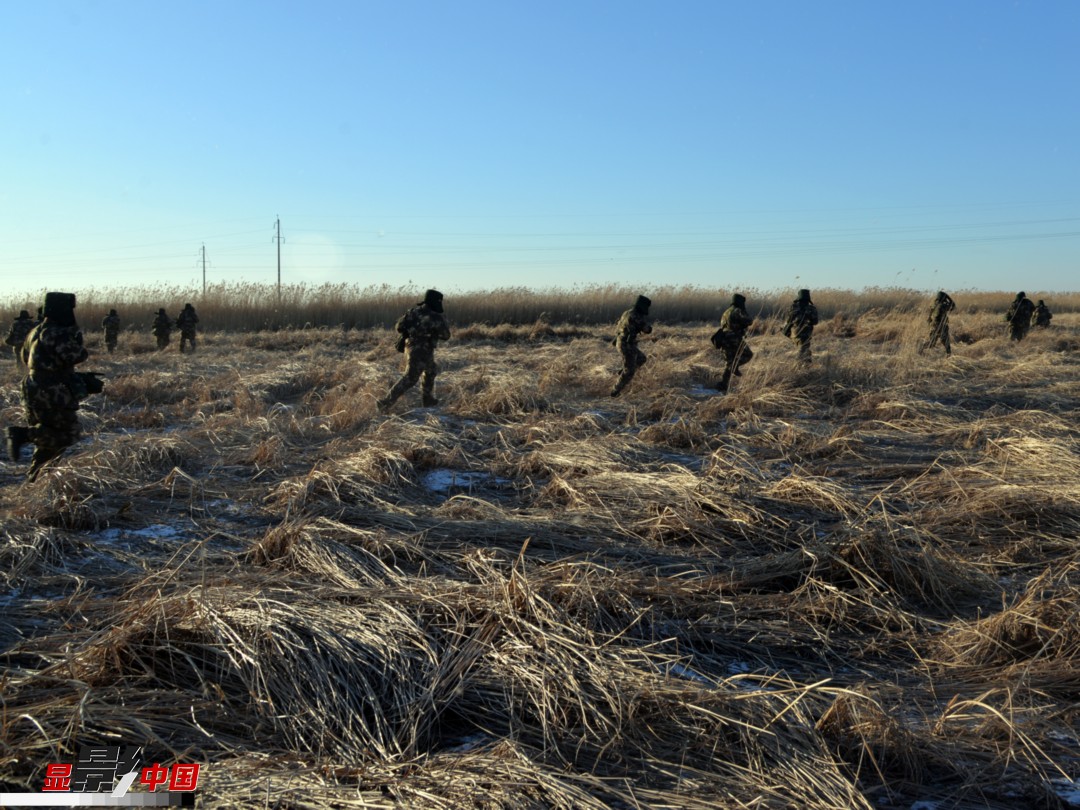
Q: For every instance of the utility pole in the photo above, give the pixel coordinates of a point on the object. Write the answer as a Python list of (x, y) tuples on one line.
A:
[(279, 239), (204, 271)]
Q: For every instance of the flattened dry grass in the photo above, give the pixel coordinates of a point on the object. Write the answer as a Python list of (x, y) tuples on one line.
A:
[(851, 585)]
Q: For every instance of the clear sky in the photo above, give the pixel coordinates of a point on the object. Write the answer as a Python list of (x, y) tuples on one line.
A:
[(469, 144)]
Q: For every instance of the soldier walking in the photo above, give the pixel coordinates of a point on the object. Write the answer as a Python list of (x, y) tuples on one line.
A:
[(801, 320), (162, 329), (1019, 316), (110, 324), (633, 322), (419, 330), (1041, 316), (730, 338), (939, 323), (16, 336), (52, 389), (185, 322)]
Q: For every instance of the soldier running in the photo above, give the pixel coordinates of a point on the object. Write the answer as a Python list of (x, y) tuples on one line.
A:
[(420, 329), (939, 323), (16, 336), (633, 322), (110, 324), (801, 320), (730, 338), (1019, 316)]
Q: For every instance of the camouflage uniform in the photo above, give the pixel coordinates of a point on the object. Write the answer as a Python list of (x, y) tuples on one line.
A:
[(420, 329), (162, 329), (185, 322), (52, 389), (110, 324), (801, 320), (633, 322), (939, 322), (1041, 316), (730, 338), (16, 336), (1019, 316)]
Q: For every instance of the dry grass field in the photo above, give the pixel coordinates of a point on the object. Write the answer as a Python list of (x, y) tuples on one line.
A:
[(848, 586)]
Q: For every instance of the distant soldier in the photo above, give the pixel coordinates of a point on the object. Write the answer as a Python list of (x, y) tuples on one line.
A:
[(939, 323), (633, 322), (419, 330), (110, 324), (730, 338), (162, 329), (186, 322), (1041, 316), (801, 320), (1019, 316), (16, 336), (52, 389)]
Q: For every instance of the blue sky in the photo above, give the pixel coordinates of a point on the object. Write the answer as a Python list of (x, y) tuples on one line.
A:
[(474, 144)]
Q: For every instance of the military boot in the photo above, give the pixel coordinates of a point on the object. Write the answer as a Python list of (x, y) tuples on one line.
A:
[(429, 401), (16, 438), (722, 386)]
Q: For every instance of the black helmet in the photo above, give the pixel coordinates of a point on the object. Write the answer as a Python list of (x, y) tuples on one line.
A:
[(1020, 295), (112, 311), (161, 311), (738, 300), (24, 315), (188, 306), (1042, 303), (59, 307), (642, 304), (433, 300), (804, 295)]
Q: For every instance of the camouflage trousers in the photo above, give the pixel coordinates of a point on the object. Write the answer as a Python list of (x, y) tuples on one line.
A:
[(110, 341), (940, 332), (162, 341), (187, 335), (736, 355), (633, 359), (1018, 329), (420, 362), (801, 338), (53, 419)]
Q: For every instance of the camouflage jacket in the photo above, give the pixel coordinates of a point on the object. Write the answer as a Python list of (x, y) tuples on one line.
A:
[(1041, 316), (162, 326), (940, 311), (53, 351), (20, 328), (801, 320), (110, 324), (186, 320), (632, 323), (735, 321), (422, 327), (1020, 311)]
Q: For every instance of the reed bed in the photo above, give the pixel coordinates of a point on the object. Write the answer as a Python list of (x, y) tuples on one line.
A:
[(849, 585)]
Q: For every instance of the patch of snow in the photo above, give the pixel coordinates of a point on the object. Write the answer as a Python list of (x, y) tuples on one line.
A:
[(468, 743), (925, 805), (444, 480), (1068, 790), (689, 674)]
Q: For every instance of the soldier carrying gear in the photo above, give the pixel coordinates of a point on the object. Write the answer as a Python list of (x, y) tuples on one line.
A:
[(110, 324), (801, 320), (1019, 316), (1041, 316), (162, 328), (52, 389), (939, 323), (421, 327), (16, 336), (186, 322), (633, 322), (730, 338)]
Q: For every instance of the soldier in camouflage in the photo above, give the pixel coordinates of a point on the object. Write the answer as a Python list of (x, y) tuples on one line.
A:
[(110, 324), (939, 323), (730, 338), (52, 389), (1041, 316), (799, 327), (633, 322), (16, 336), (419, 330), (1019, 316), (185, 322), (162, 328)]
